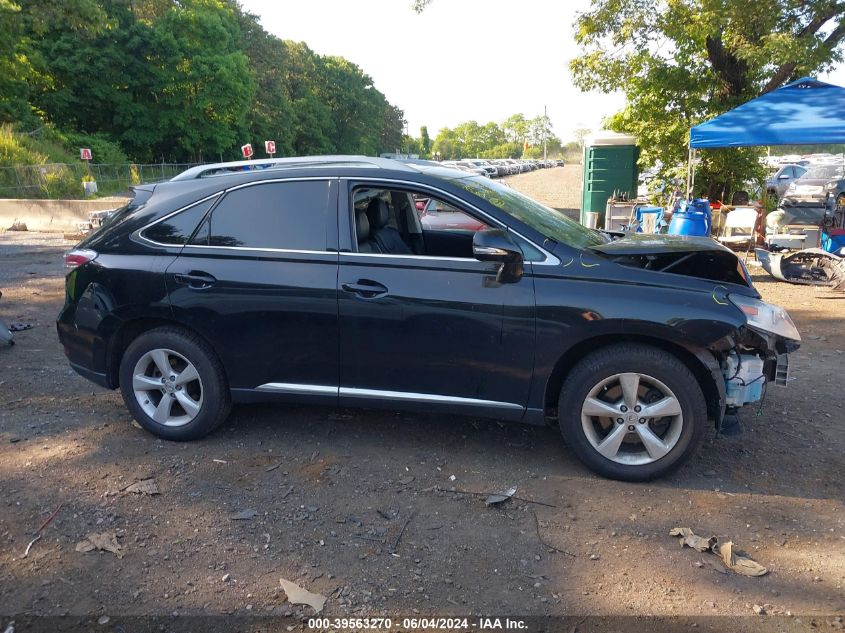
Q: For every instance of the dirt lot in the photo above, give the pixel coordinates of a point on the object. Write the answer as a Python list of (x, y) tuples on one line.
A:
[(360, 506)]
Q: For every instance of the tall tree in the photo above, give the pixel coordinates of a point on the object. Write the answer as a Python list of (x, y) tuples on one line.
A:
[(682, 61)]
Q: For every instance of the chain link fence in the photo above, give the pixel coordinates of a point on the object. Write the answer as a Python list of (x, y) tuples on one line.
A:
[(68, 180)]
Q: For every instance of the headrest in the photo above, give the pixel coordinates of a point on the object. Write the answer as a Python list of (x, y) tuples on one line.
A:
[(377, 213), (362, 226)]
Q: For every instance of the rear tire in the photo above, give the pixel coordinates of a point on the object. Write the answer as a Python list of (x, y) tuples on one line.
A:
[(174, 385), (606, 387)]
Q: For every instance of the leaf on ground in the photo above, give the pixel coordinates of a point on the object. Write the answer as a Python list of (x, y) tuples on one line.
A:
[(690, 539), (298, 595), (732, 560), (500, 497), (143, 487), (105, 541), (736, 562)]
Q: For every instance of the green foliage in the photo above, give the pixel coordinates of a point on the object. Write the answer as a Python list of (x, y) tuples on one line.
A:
[(492, 140), (681, 62), (181, 81)]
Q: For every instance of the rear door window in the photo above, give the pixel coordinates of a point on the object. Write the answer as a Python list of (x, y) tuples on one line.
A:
[(278, 215)]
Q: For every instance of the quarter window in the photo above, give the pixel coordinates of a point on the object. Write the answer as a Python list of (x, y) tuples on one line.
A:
[(177, 229), (283, 215)]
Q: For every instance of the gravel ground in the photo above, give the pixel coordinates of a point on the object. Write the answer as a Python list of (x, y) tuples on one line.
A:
[(379, 511), (556, 187)]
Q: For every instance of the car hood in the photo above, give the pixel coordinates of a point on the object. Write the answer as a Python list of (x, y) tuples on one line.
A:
[(643, 244), (696, 257)]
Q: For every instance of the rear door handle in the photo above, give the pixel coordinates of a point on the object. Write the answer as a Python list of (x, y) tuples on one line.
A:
[(366, 289), (196, 279)]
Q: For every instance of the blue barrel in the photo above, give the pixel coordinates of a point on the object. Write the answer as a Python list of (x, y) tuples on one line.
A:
[(692, 218)]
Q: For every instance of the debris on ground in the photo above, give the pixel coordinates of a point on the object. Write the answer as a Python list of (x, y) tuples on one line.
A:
[(500, 497), (298, 595), (545, 543), (143, 487), (405, 479), (690, 539), (18, 226), (725, 551), (104, 541), (735, 562), (759, 609), (17, 326), (40, 531), (245, 515)]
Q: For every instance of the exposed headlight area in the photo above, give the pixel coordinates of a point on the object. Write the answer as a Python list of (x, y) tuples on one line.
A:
[(766, 317)]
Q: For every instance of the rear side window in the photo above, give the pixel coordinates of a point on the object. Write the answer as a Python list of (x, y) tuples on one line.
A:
[(284, 215), (177, 229)]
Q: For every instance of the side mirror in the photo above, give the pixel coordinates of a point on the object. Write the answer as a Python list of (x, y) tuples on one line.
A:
[(494, 245)]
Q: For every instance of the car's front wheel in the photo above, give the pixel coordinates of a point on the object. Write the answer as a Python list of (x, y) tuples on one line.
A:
[(174, 385), (632, 412)]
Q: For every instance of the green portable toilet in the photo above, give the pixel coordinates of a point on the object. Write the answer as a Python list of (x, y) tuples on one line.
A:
[(610, 164)]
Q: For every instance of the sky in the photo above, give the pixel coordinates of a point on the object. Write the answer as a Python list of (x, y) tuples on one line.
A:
[(459, 60)]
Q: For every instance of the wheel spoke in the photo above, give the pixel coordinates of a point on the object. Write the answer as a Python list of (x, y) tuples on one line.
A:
[(655, 447), (662, 408), (594, 406), (162, 362), (609, 446), (630, 383), (162, 412), (190, 405), (187, 375), (140, 382)]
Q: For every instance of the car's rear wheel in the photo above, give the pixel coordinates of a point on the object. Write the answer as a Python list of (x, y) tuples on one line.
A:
[(632, 412), (174, 385)]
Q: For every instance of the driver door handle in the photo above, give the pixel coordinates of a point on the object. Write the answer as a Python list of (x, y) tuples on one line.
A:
[(196, 279), (366, 288)]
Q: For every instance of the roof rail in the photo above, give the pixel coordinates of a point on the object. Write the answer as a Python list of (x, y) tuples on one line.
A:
[(240, 166)]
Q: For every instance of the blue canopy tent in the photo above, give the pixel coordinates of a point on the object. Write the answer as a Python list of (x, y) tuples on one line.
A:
[(804, 112)]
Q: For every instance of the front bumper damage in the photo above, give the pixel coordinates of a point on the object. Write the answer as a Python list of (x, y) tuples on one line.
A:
[(757, 359)]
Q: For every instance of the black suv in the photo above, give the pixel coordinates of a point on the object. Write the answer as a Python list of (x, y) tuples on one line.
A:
[(314, 280)]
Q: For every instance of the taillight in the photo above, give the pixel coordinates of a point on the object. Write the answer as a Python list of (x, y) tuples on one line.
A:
[(75, 258)]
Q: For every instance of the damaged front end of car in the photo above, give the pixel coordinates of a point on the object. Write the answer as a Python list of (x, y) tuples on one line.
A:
[(757, 352)]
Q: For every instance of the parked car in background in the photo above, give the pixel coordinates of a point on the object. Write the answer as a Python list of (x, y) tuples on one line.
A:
[(483, 164), (464, 166), (472, 166), (819, 182), (314, 280), (438, 215), (782, 178)]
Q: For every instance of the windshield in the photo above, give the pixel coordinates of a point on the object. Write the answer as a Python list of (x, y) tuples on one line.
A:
[(549, 222), (823, 172)]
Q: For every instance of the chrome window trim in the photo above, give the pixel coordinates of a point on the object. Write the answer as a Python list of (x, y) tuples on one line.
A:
[(550, 260), (139, 232), (264, 250), (404, 396), (222, 192)]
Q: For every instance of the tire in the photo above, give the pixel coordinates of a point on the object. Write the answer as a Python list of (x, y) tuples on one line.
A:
[(629, 450), (198, 401)]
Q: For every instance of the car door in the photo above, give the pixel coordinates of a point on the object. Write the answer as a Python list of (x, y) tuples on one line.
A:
[(431, 331), (258, 281)]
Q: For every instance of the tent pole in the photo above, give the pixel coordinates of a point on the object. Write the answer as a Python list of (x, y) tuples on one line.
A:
[(692, 172), (689, 171)]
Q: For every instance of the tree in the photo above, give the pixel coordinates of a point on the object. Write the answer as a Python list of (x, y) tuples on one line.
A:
[(425, 142), (680, 62)]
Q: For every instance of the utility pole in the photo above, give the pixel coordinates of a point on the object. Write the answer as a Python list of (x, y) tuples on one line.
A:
[(545, 126)]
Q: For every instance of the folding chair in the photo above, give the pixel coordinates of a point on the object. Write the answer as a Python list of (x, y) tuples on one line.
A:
[(740, 228)]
